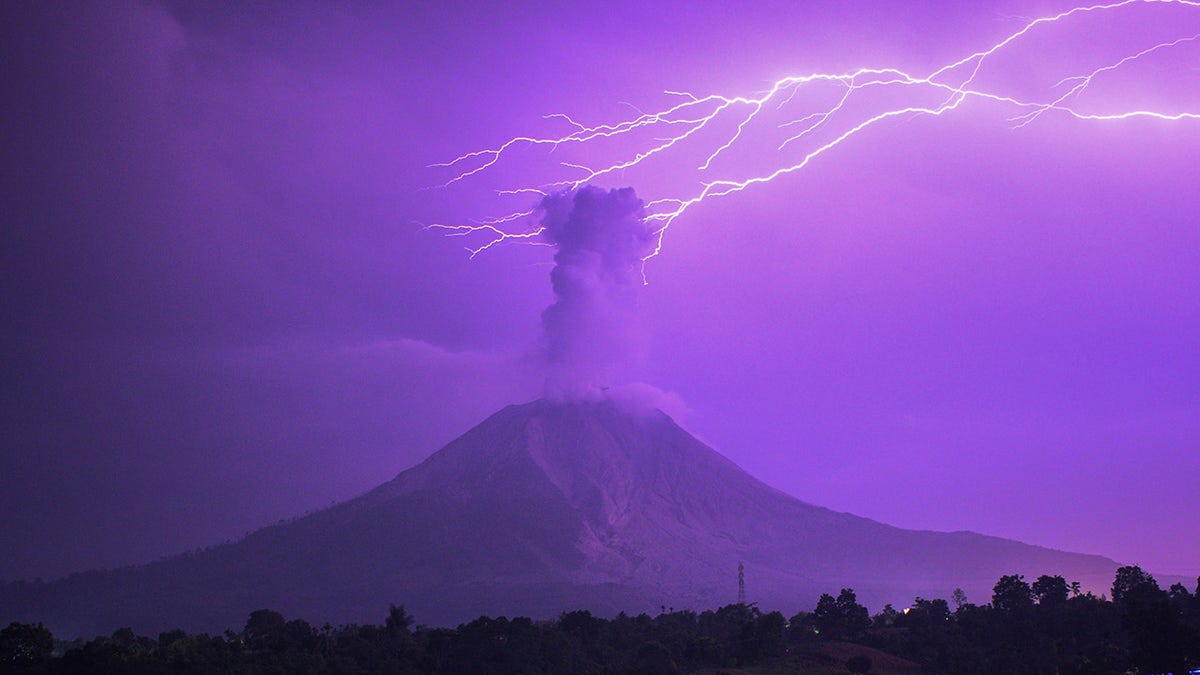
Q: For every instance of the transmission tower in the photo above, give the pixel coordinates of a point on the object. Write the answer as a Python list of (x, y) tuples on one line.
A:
[(741, 584)]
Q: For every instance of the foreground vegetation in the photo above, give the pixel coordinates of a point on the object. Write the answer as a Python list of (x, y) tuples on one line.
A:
[(1028, 629)]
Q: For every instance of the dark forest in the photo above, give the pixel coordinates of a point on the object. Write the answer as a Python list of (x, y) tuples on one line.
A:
[(1028, 628)]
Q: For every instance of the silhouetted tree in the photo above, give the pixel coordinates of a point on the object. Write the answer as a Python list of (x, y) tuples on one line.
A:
[(24, 646), (885, 618), (1050, 590), (929, 634), (840, 618), (1189, 605), (170, 637), (764, 637), (579, 621), (1132, 582), (265, 629), (1011, 594), (959, 597), (927, 614), (398, 619), (856, 616), (801, 628), (1153, 625)]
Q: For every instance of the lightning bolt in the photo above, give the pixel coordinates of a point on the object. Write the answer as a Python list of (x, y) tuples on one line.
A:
[(851, 111)]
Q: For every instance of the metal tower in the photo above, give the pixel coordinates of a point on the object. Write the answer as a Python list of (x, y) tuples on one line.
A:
[(741, 584)]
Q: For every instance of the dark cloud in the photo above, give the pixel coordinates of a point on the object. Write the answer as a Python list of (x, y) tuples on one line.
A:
[(601, 238)]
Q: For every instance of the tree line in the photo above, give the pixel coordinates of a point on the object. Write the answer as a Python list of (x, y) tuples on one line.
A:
[(1028, 628)]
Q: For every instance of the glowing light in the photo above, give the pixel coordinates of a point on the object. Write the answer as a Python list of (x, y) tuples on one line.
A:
[(940, 92)]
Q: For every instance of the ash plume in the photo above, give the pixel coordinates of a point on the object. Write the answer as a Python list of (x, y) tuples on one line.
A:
[(590, 330)]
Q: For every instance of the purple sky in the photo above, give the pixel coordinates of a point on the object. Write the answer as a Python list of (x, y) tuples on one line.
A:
[(219, 310)]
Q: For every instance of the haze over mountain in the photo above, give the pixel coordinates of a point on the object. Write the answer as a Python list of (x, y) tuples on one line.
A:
[(542, 508)]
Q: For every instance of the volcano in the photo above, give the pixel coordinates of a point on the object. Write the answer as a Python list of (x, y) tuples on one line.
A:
[(543, 508)]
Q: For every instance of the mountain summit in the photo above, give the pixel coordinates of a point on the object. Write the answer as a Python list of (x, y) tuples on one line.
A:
[(542, 508)]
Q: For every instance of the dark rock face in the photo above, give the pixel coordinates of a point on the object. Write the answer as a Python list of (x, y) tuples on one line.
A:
[(542, 508)]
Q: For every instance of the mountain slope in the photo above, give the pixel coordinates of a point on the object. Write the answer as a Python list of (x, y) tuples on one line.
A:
[(541, 508)]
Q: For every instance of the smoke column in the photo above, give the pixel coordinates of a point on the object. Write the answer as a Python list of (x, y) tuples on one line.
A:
[(590, 330)]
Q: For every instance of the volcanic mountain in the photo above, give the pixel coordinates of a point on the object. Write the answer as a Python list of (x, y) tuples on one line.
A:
[(542, 508)]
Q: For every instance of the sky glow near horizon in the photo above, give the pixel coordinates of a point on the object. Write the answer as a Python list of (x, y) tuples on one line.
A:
[(224, 308)]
